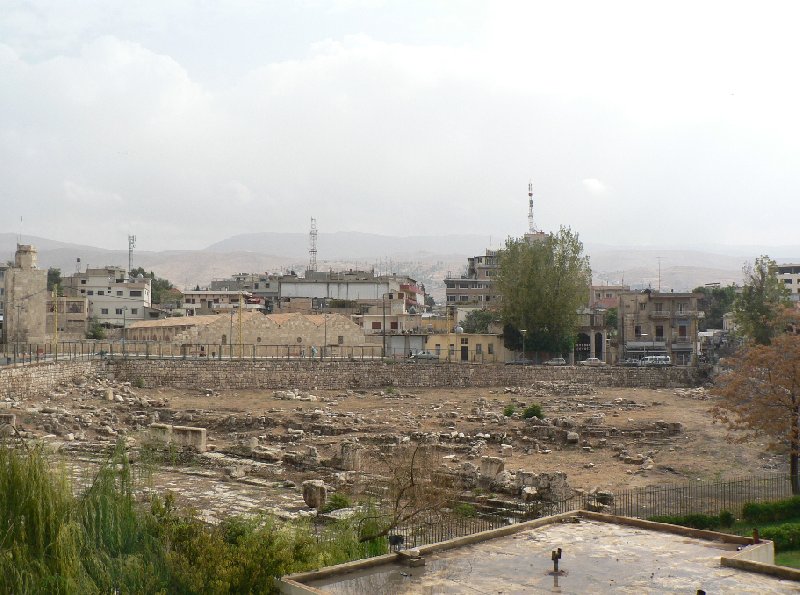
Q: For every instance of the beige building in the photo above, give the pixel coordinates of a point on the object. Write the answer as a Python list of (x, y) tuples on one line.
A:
[(301, 331), (654, 323), (72, 315), (115, 300), (476, 286), (25, 298), (467, 347), (789, 274)]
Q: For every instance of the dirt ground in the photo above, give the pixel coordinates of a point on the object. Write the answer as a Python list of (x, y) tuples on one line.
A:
[(700, 450)]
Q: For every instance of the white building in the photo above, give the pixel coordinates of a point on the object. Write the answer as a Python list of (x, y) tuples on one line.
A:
[(114, 299), (207, 301), (790, 275)]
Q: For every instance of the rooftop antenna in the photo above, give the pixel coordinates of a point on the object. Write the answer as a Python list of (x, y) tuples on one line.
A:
[(531, 226), (131, 246), (659, 272), (312, 246)]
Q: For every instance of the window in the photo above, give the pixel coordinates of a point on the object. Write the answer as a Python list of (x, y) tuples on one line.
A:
[(659, 307), (451, 298), (637, 330), (463, 298), (452, 349), (659, 333), (393, 325), (224, 339), (682, 308), (376, 325), (491, 348), (90, 292), (134, 310), (118, 312), (340, 340), (642, 306), (119, 292), (103, 310), (83, 281), (100, 292), (464, 341), (478, 349), (438, 349), (136, 293)]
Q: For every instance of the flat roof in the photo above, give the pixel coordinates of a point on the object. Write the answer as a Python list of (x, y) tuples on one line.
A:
[(597, 557)]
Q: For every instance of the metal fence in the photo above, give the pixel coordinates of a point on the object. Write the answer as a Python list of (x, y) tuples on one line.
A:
[(691, 497), (28, 353)]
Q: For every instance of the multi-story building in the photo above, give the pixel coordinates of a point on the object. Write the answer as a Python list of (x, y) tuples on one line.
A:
[(207, 301), (70, 314), (262, 285), (790, 275), (476, 286), (606, 297), (654, 323), (114, 298), (25, 297)]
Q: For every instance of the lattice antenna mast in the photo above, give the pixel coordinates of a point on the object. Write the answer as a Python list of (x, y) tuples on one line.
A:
[(312, 246), (531, 226), (131, 246)]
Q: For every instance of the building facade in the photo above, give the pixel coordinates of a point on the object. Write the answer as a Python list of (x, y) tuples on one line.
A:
[(654, 323), (476, 287), (789, 274), (114, 299), (25, 298)]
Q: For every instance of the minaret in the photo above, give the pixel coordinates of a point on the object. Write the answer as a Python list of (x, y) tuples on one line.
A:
[(312, 246)]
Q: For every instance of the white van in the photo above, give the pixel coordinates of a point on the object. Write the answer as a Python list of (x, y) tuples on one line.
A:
[(656, 361)]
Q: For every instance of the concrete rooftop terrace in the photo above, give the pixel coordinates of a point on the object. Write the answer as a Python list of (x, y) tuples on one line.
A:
[(597, 557)]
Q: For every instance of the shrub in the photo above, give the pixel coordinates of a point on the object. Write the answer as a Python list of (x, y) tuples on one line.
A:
[(532, 411), (768, 512), (697, 521), (139, 382), (785, 537), (464, 509), (509, 410), (336, 502)]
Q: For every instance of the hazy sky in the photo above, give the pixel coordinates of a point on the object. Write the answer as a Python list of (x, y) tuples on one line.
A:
[(185, 122)]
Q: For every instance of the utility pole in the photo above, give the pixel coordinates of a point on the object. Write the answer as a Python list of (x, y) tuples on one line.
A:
[(131, 246), (55, 321), (241, 307)]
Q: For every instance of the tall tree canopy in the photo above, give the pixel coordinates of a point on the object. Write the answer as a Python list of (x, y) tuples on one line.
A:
[(760, 396), (54, 279), (715, 303), (543, 283), (478, 321), (758, 307)]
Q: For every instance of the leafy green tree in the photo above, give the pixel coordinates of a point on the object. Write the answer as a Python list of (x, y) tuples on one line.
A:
[(543, 283), (54, 280), (477, 321), (612, 319), (158, 286), (96, 330), (758, 307), (716, 302)]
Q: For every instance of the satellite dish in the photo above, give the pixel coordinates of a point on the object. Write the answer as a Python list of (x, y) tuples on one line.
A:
[(459, 330)]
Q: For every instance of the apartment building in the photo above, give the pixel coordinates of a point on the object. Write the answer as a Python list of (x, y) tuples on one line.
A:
[(114, 298), (789, 273), (475, 287), (262, 285), (207, 301), (70, 315), (655, 323)]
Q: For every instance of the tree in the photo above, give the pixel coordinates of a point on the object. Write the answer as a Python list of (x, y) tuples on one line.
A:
[(158, 286), (54, 279), (477, 321), (543, 283), (715, 303), (757, 308), (760, 397), (612, 319)]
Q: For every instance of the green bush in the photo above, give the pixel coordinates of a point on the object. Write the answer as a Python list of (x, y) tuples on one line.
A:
[(697, 521), (464, 509), (336, 502), (509, 410), (769, 512), (532, 411), (785, 537)]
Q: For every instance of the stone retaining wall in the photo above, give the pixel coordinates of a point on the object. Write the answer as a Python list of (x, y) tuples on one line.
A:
[(17, 382), (339, 375)]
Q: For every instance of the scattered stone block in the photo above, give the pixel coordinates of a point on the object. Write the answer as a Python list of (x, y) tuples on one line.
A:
[(491, 467), (314, 493)]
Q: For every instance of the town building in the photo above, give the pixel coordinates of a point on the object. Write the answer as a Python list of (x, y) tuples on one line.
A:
[(476, 286), (468, 347), (114, 298), (262, 285), (655, 323), (206, 301), (25, 298), (789, 273), (71, 315), (606, 296)]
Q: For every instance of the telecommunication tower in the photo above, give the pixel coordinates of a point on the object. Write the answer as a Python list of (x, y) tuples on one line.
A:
[(531, 226), (312, 246), (131, 246)]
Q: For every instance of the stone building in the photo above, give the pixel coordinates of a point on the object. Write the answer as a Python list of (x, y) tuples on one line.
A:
[(655, 323), (25, 293), (303, 330), (72, 316)]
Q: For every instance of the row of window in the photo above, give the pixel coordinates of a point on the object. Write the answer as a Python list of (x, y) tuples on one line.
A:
[(119, 293), (119, 311), (437, 348), (467, 298)]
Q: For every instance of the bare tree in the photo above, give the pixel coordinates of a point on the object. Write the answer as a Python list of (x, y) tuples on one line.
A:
[(415, 484)]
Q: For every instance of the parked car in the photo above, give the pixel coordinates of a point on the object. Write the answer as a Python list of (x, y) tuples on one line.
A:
[(593, 361), (658, 361), (424, 355), (629, 362), (520, 361), (556, 361)]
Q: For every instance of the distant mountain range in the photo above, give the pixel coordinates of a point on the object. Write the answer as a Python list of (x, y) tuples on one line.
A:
[(429, 259)]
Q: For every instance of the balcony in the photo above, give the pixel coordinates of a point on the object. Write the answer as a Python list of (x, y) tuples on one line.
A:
[(660, 315)]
